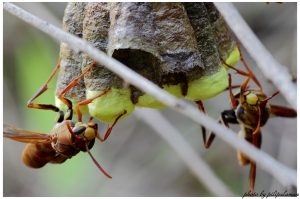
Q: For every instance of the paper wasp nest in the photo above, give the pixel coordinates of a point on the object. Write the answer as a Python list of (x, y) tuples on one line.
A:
[(178, 46)]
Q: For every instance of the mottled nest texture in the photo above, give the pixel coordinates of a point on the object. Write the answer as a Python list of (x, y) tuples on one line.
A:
[(168, 43)]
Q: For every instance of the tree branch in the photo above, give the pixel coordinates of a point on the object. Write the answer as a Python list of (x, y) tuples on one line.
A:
[(284, 174), (195, 163)]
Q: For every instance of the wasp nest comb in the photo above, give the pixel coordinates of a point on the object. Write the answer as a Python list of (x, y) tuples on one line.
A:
[(178, 46)]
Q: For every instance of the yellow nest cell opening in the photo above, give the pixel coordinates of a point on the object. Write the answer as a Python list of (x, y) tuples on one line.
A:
[(147, 101), (203, 88), (207, 87), (233, 58), (109, 106)]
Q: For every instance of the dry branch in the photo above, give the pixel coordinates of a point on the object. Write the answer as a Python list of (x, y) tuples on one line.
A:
[(196, 164)]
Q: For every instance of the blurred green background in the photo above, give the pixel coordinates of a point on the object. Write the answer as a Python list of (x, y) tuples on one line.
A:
[(141, 163)]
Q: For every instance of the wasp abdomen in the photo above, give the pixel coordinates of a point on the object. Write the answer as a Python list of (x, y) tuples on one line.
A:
[(37, 155)]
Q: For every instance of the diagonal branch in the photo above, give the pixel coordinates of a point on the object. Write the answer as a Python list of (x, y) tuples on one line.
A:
[(284, 174), (173, 137)]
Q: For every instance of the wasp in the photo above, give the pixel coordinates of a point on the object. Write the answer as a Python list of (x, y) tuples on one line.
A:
[(66, 139), (251, 110)]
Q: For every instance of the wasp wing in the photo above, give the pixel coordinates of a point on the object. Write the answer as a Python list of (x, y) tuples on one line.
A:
[(282, 111), (23, 135)]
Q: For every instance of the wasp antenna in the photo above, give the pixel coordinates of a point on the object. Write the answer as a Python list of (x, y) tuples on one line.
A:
[(267, 99), (250, 73), (232, 98), (96, 163)]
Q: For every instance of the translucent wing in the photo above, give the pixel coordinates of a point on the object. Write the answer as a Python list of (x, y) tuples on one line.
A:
[(22, 135)]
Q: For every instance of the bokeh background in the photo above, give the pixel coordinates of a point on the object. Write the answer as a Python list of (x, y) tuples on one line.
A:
[(140, 161)]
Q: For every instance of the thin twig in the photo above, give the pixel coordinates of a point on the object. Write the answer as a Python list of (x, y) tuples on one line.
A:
[(269, 66), (197, 166), (284, 174)]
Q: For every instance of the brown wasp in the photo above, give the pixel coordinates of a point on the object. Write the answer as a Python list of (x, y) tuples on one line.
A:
[(251, 110), (66, 139)]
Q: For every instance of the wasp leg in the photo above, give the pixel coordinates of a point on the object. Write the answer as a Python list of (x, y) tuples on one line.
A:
[(250, 73), (236, 70), (227, 116), (111, 127), (41, 91), (256, 141), (252, 174), (252, 177), (61, 116), (201, 108), (233, 86), (72, 84), (232, 98), (248, 69), (247, 134)]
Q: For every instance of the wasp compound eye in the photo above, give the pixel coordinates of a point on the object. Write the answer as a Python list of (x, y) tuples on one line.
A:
[(79, 130)]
